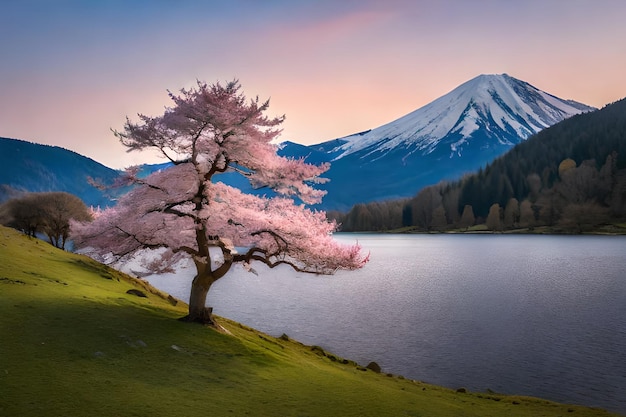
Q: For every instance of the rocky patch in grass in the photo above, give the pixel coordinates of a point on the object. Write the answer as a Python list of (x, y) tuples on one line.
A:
[(5, 280)]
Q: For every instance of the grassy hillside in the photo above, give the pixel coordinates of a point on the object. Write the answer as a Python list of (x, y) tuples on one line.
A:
[(73, 342)]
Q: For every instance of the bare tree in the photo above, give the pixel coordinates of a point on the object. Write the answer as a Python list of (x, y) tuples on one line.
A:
[(58, 208), (467, 218), (526, 214), (493, 221), (511, 213), (48, 213)]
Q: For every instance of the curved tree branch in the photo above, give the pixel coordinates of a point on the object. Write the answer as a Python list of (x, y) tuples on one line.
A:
[(256, 254), (277, 238)]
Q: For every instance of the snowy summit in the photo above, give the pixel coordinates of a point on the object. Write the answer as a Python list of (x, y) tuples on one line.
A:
[(493, 107)]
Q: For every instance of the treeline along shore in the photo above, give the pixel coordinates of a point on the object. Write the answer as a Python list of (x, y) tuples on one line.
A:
[(569, 178)]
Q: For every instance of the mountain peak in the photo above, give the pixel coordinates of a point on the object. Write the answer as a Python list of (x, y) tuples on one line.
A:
[(498, 106)]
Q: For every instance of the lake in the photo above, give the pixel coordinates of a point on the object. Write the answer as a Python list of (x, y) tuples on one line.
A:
[(531, 315)]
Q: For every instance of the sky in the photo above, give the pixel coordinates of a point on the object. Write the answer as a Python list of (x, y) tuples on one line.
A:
[(70, 71)]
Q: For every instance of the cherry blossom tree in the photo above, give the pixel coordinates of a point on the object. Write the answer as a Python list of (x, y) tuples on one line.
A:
[(185, 212)]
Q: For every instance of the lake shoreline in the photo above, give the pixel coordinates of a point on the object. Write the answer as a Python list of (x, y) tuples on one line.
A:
[(457, 310), (611, 230)]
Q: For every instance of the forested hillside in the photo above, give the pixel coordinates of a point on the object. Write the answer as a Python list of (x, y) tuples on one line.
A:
[(32, 167), (570, 177)]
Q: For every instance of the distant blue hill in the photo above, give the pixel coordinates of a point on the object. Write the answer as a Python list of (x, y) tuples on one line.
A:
[(31, 167)]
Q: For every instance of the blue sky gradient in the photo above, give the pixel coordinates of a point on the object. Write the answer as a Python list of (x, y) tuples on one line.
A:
[(72, 70)]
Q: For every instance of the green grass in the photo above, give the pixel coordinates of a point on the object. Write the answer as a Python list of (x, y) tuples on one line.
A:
[(73, 343)]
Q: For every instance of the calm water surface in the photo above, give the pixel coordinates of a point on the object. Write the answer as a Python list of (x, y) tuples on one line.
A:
[(530, 315)]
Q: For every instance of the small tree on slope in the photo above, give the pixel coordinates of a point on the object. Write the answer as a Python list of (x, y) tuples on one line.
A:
[(209, 130)]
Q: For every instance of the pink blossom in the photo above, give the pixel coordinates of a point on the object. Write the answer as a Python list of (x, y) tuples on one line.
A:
[(212, 129)]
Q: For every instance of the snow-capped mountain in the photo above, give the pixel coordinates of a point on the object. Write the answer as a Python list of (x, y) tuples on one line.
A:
[(453, 135), (506, 109)]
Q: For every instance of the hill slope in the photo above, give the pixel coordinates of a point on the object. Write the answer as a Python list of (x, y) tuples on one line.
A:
[(32, 167), (587, 137), (75, 343)]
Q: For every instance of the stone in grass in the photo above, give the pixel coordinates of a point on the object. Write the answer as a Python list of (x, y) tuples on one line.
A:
[(373, 366), (138, 293), (318, 350)]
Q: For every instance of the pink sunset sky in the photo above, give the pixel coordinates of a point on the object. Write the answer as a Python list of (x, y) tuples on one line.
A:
[(72, 70)]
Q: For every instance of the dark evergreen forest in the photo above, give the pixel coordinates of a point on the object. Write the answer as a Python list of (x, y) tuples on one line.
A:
[(570, 177)]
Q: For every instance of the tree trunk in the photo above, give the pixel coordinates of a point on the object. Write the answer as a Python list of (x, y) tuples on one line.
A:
[(198, 311)]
